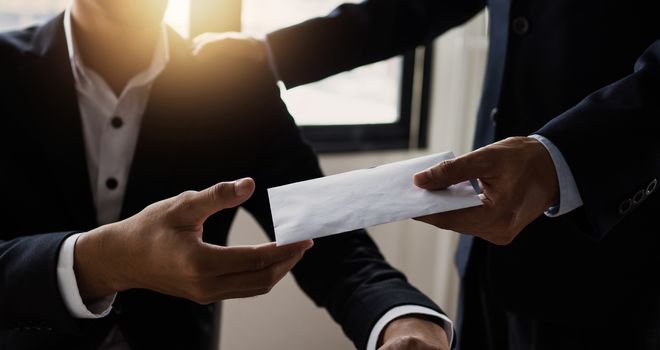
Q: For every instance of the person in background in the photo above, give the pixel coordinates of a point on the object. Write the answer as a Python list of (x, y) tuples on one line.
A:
[(575, 86), (108, 124)]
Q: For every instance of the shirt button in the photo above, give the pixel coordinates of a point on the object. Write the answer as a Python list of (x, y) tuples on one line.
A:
[(116, 122), (111, 183), (494, 114), (520, 25)]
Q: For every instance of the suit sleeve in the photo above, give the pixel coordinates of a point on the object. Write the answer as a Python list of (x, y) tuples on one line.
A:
[(346, 274), (610, 141), (30, 297), (357, 34)]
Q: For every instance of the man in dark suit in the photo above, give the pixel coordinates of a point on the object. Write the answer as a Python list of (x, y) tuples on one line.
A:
[(108, 123), (587, 278)]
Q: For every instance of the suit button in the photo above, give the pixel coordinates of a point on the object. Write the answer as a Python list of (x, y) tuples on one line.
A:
[(520, 25), (111, 183), (625, 206), (639, 197), (116, 122), (117, 310), (651, 187), (494, 116)]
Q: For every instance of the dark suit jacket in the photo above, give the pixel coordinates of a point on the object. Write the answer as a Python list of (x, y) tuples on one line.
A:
[(203, 125), (545, 58)]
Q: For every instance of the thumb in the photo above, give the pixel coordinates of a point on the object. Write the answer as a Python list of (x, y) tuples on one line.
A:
[(221, 196), (449, 172)]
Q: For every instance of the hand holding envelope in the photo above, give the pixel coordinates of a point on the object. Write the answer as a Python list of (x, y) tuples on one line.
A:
[(361, 198), (519, 182)]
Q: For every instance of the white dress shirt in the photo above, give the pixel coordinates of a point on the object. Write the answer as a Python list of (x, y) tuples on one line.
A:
[(111, 126), (569, 195)]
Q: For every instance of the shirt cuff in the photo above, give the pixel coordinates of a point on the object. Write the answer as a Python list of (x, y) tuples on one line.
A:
[(569, 195), (68, 286), (404, 310)]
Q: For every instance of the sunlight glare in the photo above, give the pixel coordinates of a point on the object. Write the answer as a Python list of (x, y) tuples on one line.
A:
[(178, 16)]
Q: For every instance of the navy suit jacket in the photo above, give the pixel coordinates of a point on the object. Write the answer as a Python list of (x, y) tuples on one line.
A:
[(203, 124), (586, 75)]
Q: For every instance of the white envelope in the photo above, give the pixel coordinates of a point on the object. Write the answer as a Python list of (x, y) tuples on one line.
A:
[(360, 199)]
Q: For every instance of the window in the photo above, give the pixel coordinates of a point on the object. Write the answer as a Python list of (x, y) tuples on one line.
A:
[(20, 14), (338, 100), (382, 106), (367, 108)]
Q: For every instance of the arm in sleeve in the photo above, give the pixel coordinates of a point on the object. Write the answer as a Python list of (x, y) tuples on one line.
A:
[(68, 286), (357, 34), (358, 286), (617, 171), (569, 195), (406, 310), (30, 294)]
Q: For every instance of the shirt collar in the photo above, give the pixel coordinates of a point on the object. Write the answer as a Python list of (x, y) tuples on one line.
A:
[(158, 62)]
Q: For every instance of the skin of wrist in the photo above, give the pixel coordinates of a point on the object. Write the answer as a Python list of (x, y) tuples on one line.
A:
[(95, 263), (413, 325), (545, 170)]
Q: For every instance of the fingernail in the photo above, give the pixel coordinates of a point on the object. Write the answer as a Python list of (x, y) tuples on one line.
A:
[(242, 187), (422, 178), (308, 244)]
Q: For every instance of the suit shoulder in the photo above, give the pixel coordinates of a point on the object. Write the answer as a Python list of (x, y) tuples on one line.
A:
[(239, 70), (15, 45)]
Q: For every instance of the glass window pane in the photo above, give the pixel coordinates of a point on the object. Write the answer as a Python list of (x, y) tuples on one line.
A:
[(17, 14), (178, 16), (366, 95)]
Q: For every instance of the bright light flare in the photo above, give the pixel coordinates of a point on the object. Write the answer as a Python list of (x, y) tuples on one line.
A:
[(178, 16)]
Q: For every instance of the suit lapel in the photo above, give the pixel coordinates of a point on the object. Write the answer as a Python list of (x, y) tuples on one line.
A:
[(155, 156), (54, 119)]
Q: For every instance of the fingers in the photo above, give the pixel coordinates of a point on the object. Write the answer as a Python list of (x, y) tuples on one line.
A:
[(450, 172), (216, 260), (469, 220), (248, 280), (206, 45), (221, 196), (247, 284), (488, 222)]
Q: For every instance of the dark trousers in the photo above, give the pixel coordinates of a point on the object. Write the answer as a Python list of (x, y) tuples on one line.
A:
[(484, 324)]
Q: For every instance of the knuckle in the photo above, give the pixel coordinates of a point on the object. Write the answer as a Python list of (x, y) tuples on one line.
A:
[(263, 291), (443, 168), (407, 342), (501, 241), (198, 294), (183, 201), (219, 192)]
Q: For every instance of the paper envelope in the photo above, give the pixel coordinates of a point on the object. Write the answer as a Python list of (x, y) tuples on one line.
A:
[(360, 199)]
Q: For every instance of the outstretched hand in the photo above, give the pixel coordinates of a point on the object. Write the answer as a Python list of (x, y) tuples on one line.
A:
[(161, 249), (518, 182)]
